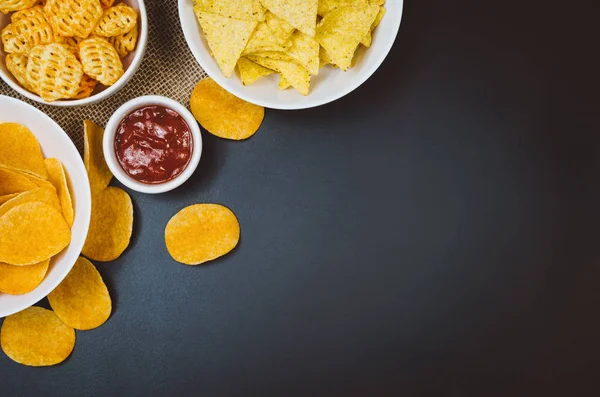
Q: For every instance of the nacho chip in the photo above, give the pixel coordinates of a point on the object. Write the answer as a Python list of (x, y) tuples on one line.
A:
[(326, 6), (19, 280), (301, 14), (324, 57), (250, 71), (280, 28), (111, 225), (283, 83), (13, 182), (36, 337), (46, 194), (93, 157), (31, 233), (368, 39), (201, 233), (247, 10), (277, 55), (341, 31), (305, 51), (82, 301), (293, 73), (263, 40), (223, 114), (20, 150), (58, 178), (226, 38)]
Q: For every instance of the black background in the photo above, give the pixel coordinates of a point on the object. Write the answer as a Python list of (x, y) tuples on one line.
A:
[(436, 232)]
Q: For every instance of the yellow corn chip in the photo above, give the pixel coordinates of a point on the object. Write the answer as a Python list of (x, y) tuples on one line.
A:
[(13, 182), (324, 57), (326, 6), (247, 10), (82, 301), (36, 337), (20, 150), (301, 14), (283, 83), (31, 233), (341, 31), (280, 28), (201, 233), (277, 55), (7, 6), (305, 51), (116, 21), (293, 73), (250, 71), (46, 194), (263, 39), (111, 225), (226, 38), (368, 39), (58, 177), (19, 280), (93, 157), (223, 114)]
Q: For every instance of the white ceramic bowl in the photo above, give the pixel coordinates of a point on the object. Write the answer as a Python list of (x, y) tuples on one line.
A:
[(109, 144), (330, 85), (131, 63), (55, 143)]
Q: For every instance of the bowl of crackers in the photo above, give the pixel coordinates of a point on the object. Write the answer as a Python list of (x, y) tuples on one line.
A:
[(45, 205), (71, 52), (290, 54)]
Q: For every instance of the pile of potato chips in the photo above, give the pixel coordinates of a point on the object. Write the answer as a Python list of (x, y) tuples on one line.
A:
[(294, 38), (64, 48)]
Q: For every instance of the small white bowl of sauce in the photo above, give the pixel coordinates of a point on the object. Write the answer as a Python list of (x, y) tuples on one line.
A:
[(152, 144)]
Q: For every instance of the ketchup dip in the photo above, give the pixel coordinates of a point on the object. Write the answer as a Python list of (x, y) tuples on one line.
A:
[(153, 144)]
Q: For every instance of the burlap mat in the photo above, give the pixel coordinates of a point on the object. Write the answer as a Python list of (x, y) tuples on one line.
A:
[(168, 69)]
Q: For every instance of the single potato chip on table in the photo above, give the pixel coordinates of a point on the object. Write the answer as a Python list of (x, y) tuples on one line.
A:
[(201, 233), (36, 337), (19, 280), (20, 150), (82, 300)]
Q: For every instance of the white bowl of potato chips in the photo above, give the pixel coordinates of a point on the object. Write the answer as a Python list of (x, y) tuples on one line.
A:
[(290, 54), (45, 205), (71, 52)]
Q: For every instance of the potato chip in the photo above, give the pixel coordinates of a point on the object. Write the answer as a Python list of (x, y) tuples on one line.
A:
[(295, 74), (101, 60), (201, 233), (301, 14), (305, 51), (247, 10), (45, 194), (36, 337), (87, 85), (226, 38), (223, 114), (8, 197), (54, 72), (263, 40), (116, 21), (111, 225), (107, 3), (21, 36), (82, 301), (31, 233), (19, 280), (250, 71), (58, 177), (20, 150), (17, 66), (280, 28), (341, 31), (93, 157), (326, 6), (7, 6), (36, 12), (126, 42), (73, 17), (14, 182), (368, 38)]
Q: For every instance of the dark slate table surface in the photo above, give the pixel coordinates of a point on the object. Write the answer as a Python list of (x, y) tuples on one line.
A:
[(433, 233)]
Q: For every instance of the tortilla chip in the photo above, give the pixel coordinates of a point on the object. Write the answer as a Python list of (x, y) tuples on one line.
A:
[(279, 27), (283, 83), (226, 38), (93, 157), (369, 38), (324, 57), (295, 74), (46, 194), (20, 150), (305, 51), (247, 10), (58, 178), (301, 14), (326, 6), (19, 280), (250, 71), (263, 40)]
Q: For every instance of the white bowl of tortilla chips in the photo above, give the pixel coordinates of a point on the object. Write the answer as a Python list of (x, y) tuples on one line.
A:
[(290, 54)]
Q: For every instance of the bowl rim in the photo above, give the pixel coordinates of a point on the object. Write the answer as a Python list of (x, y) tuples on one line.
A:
[(109, 138), (220, 79), (84, 209), (109, 91)]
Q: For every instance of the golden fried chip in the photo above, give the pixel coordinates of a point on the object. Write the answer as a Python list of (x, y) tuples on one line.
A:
[(93, 157), (368, 38), (17, 66), (263, 39), (324, 57), (8, 197), (82, 301), (116, 21), (305, 51), (36, 12), (54, 72), (293, 73), (326, 6), (19, 280), (111, 225), (126, 42), (280, 28), (20, 150), (13, 182), (107, 3), (73, 17), (7, 6), (31, 233), (247, 10), (277, 55), (341, 31), (283, 83), (250, 71), (223, 114), (36, 337), (226, 38), (46, 194), (201, 233), (101, 60), (58, 177), (301, 14), (87, 85), (21, 36)]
